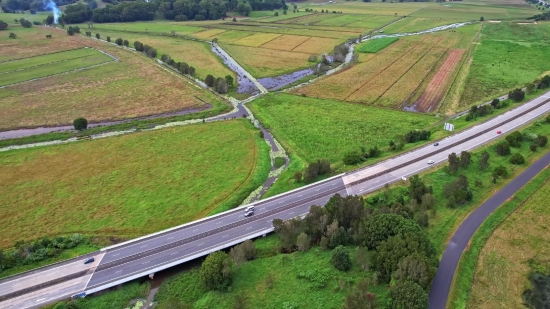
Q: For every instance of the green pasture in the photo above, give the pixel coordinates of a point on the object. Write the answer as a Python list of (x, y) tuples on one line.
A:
[(45, 59), (376, 45), (52, 68)]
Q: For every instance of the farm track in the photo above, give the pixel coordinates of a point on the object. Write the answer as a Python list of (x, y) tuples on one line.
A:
[(410, 68), (438, 85), (383, 69)]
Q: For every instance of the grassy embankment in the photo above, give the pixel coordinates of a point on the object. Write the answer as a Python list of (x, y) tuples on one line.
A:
[(507, 57), (510, 244), (130, 185)]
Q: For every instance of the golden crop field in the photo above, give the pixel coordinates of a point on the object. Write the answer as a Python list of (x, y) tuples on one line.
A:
[(232, 35), (285, 42), (317, 45), (309, 19), (134, 86), (406, 85), (263, 62), (375, 85), (341, 85), (257, 39)]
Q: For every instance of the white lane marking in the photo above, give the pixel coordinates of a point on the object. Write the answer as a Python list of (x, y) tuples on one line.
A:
[(170, 238), (195, 230), (224, 236), (118, 271), (116, 254), (145, 262), (143, 246), (173, 253), (201, 244), (41, 299), (248, 228)]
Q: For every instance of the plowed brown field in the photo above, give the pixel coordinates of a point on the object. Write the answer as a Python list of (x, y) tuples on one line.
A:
[(439, 84)]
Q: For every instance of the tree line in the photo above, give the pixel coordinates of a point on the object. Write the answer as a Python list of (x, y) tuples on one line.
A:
[(358, 156), (11, 6)]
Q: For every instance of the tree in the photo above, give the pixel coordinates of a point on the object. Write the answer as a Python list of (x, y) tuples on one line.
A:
[(303, 242), (390, 252), (215, 272), (118, 41), (416, 268), (533, 147), (537, 295), (12, 35), (503, 148), (517, 159), (3, 25), (541, 141), (49, 20), (276, 14), (408, 295), (340, 258), (454, 163), (80, 124), (380, 227), (515, 139), (352, 157), (229, 80), (138, 46), (500, 171), (484, 161), (360, 298), (465, 159), (243, 252), (495, 103), (125, 43), (209, 80), (417, 188), (48, 36), (108, 39), (516, 95), (339, 238), (361, 257), (220, 85), (70, 31), (297, 176), (481, 18)]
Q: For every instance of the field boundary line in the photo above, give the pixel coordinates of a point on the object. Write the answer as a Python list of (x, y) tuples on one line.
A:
[(384, 69), (260, 46), (309, 38), (407, 71), (57, 52), (459, 69), (406, 101), (39, 65), (66, 72)]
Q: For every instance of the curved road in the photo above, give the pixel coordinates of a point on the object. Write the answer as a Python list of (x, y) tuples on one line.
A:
[(449, 262)]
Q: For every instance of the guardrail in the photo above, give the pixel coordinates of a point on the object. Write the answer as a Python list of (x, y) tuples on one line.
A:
[(391, 169)]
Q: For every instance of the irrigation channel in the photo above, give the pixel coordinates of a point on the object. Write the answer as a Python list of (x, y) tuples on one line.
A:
[(247, 84)]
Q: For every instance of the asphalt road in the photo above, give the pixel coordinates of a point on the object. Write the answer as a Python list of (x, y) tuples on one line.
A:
[(160, 250), (449, 262)]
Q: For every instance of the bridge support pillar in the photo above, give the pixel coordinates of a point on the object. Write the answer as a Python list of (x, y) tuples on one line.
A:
[(151, 276)]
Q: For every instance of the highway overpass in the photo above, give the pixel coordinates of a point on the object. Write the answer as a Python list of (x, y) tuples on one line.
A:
[(146, 255)]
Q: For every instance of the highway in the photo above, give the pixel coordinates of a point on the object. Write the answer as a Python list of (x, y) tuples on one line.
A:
[(148, 254)]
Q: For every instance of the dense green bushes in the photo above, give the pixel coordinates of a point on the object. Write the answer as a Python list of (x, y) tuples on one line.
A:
[(25, 253)]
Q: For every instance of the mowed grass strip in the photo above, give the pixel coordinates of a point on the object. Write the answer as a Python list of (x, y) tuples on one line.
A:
[(205, 34), (342, 20), (45, 59), (125, 186), (53, 68), (316, 129), (376, 45)]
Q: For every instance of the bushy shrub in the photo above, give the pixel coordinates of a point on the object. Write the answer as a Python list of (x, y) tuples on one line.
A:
[(80, 124), (517, 158), (340, 258)]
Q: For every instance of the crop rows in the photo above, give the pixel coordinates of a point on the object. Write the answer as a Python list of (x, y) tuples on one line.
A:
[(410, 81), (378, 84), (285, 42), (436, 89), (316, 45), (341, 85)]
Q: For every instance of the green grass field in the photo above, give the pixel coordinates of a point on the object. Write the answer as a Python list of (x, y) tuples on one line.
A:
[(509, 56), (374, 46), (45, 59), (315, 129), (27, 69), (250, 281), (411, 24), (153, 26), (130, 185), (9, 17)]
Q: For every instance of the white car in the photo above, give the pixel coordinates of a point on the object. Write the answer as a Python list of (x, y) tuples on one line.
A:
[(431, 162)]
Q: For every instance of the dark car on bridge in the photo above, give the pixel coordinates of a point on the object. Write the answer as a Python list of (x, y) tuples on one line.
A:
[(88, 260)]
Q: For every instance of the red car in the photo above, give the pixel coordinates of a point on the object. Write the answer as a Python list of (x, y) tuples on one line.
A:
[(498, 132)]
